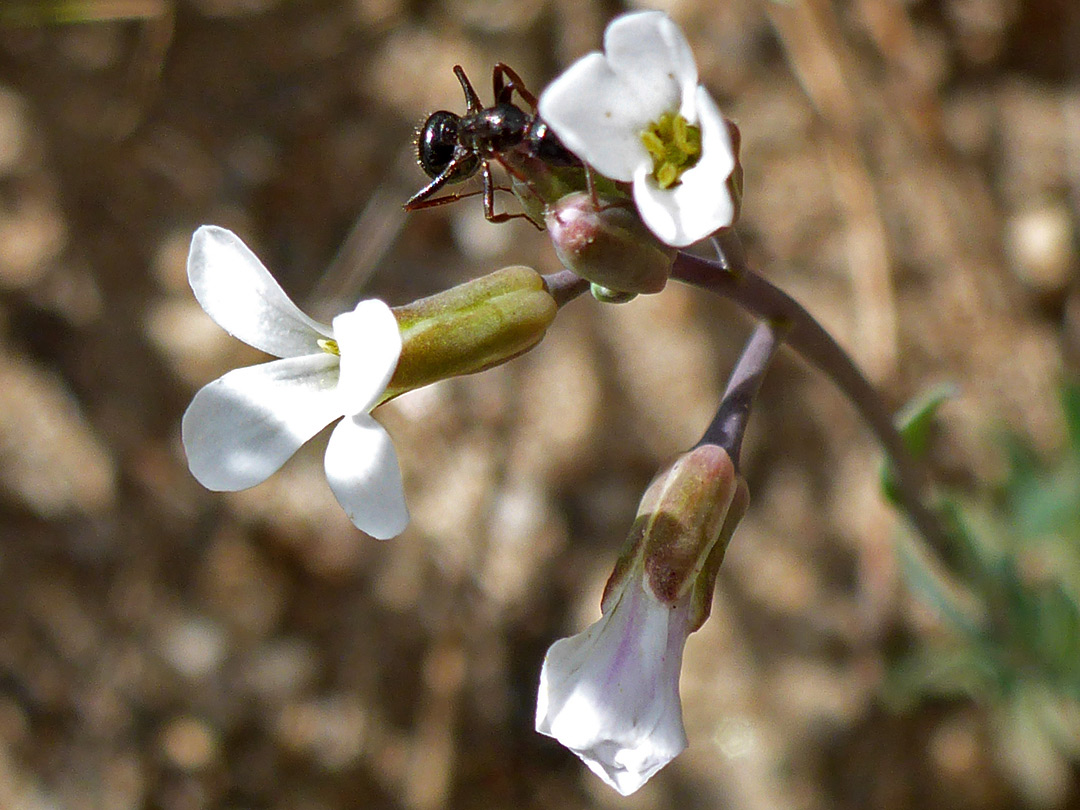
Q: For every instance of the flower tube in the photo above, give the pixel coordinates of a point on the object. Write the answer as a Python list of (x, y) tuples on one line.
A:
[(240, 428), (611, 693)]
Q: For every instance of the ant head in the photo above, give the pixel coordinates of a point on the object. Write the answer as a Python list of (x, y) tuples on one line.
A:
[(438, 144)]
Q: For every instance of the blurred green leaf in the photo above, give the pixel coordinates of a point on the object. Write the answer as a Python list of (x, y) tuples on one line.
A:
[(940, 671), (929, 585), (61, 12), (1045, 499), (1070, 405), (915, 423)]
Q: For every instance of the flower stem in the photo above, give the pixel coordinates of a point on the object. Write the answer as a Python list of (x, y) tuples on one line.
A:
[(729, 424), (565, 286), (732, 278)]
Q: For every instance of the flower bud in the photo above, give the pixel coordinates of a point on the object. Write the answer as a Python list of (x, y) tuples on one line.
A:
[(610, 245), (685, 519), (471, 327), (611, 692)]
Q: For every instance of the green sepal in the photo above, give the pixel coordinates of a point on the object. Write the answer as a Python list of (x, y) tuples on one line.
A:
[(471, 327)]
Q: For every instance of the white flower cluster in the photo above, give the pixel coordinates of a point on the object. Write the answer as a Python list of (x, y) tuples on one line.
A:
[(637, 114)]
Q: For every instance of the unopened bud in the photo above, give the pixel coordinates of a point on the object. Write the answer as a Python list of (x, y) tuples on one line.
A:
[(471, 327), (683, 524), (609, 245)]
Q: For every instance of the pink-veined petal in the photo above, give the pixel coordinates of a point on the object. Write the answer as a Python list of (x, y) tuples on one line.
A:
[(243, 426), (701, 203), (611, 693), (369, 341), (239, 293), (362, 468)]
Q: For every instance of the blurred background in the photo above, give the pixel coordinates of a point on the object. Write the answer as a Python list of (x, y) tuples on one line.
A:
[(912, 177)]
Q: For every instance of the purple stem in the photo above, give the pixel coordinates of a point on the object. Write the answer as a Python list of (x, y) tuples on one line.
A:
[(731, 278), (565, 286), (729, 424)]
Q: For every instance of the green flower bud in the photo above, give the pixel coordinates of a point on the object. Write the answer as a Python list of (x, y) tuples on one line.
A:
[(610, 245), (471, 327), (683, 525)]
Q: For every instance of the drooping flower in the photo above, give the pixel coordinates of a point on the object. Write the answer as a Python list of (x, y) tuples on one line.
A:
[(637, 114), (611, 693), (242, 427)]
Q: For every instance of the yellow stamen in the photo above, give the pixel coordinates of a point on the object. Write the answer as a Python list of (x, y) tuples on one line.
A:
[(674, 145), (329, 345)]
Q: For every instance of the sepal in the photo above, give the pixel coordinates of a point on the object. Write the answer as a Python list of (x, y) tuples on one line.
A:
[(471, 327), (608, 244)]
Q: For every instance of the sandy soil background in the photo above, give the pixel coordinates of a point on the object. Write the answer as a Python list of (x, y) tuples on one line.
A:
[(912, 176)]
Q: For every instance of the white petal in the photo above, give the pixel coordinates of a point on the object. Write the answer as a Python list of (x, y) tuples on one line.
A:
[(370, 344), (701, 202), (239, 293), (242, 427), (649, 50), (611, 693), (362, 468), (599, 117)]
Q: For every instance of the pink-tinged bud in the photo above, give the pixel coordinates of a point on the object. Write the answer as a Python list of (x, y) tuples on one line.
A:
[(611, 693), (609, 245), (689, 508)]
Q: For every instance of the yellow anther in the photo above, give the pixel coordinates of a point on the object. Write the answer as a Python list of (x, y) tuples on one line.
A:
[(653, 144), (667, 175), (674, 145), (329, 345)]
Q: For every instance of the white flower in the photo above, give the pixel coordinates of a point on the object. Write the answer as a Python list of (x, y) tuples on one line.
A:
[(243, 426), (611, 693), (606, 106)]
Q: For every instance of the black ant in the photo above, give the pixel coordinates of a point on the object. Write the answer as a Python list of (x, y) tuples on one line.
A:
[(452, 148)]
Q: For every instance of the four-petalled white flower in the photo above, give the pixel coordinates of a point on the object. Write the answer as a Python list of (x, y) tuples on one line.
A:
[(611, 693), (637, 114), (242, 427)]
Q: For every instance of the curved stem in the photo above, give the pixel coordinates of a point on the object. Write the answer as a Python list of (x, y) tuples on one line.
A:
[(733, 279), (729, 424), (565, 286)]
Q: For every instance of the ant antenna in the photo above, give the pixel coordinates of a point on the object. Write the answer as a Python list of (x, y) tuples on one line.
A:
[(472, 101)]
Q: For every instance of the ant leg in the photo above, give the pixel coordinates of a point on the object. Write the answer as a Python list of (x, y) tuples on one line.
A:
[(590, 184), (489, 199), (472, 101), (417, 200), (489, 202), (504, 92), (594, 194), (437, 201)]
